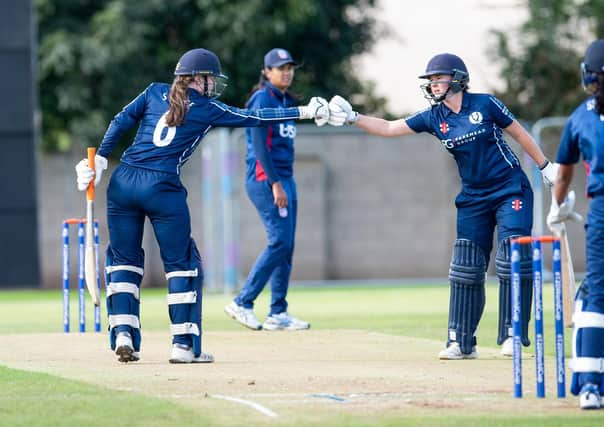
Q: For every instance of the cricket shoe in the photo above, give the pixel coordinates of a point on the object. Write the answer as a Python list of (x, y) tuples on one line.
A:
[(243, 315), (124, 348), (453, 352), (589, 397), (507, 348), (283, 321), (184, 354)]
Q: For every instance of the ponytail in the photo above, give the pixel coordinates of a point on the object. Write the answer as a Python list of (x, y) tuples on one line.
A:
[(261, 82), (179, 100), (599, 94)]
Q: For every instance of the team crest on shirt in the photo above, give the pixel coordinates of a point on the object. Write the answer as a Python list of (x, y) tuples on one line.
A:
[(517, 204), (475, 118), (444, 127)]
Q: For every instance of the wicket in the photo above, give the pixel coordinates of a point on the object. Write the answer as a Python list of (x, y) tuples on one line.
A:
[(538, 297), (81, 280)]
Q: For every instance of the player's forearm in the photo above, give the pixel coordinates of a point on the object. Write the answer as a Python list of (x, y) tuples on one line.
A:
[(565, 176), (381, 127), (527, 142)]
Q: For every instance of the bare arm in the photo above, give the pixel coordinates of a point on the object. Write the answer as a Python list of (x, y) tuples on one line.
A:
[(526, 141), (381, 127), (565, 176)]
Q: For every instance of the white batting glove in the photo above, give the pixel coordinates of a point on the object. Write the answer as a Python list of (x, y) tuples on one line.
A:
[(317, 109), (549, 171), (562, 213), (85, 173), (340, 112)]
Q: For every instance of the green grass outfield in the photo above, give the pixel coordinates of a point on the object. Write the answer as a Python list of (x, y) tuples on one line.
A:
[(38, 399)]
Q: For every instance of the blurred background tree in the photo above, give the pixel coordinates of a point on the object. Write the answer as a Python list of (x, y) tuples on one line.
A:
[(540, 62), (96, 55)]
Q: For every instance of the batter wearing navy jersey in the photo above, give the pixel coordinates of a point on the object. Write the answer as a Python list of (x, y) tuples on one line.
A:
[(271, 187), (495, 193), (172, 120), (583, 136)]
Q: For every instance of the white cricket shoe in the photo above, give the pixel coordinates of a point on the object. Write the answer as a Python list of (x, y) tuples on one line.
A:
[(184, 354), (453, 352), (507, 348), (589, 397), (283, 321), (243, 315), (124, 348)]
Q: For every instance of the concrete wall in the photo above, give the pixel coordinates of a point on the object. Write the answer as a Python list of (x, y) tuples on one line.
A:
[(369, 207)]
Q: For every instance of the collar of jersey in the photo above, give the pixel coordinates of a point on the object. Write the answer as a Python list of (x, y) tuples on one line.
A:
[(465, 103), (196, 96), (280, 95)]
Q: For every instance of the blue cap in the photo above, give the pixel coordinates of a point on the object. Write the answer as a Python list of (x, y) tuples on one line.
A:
[(278, 57), (445, 63)]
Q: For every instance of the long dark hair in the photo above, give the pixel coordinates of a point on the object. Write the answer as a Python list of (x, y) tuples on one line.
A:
[(599, 94), (261, 82)]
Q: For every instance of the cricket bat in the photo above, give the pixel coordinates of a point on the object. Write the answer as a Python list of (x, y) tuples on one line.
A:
[(568, 275), (89, 253)]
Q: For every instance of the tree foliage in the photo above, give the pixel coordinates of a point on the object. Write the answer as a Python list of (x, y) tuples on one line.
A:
[(541, 62), (96, 55)]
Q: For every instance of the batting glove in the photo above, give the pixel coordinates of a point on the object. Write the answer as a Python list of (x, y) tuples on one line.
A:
[(85, 173), (562, 213), (340, 112), (317, 109), (549, 171)]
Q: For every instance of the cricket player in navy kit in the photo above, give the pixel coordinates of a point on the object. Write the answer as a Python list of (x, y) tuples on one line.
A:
[(495, 193), (172, 122), (271, 187), (583, 135)]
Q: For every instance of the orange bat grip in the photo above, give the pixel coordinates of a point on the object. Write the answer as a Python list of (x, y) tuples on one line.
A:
[(528, 239), (90, 189)]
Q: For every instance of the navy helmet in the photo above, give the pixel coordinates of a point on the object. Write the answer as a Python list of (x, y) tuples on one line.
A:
[(592, 65), (449, 64), (206, 63)]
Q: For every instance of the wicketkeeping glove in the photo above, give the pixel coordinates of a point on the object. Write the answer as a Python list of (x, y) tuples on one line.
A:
[(317, 109), (85, 173)]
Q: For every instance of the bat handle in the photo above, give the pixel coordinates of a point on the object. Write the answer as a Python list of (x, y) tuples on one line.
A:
[(90, 189)]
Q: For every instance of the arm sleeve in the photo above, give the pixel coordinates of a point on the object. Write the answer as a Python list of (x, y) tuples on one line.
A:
[(261, 141), (122, 122), (500, 113), (225, 115), (420, 121), (568, 151)]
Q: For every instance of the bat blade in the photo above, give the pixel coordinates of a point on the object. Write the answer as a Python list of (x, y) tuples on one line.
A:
[(89, 252), (568, 276)]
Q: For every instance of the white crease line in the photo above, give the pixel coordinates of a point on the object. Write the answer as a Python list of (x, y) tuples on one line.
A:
[(258, 407)]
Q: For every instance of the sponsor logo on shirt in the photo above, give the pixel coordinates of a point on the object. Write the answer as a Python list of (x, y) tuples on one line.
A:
[(444, 127), (475, 118), (517, 204), (463, 139)]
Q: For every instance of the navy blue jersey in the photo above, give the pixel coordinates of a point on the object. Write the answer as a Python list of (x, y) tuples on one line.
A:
[(162, 148), (270, 149), (583, 135), (474, 137)]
